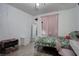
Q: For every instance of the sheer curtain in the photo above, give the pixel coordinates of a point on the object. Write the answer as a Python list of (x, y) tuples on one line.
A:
[(50, 24)]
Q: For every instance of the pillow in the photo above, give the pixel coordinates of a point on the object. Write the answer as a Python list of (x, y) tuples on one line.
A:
[(67, 37)]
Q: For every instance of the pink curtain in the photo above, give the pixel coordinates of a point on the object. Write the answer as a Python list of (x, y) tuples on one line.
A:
[(50, 24)]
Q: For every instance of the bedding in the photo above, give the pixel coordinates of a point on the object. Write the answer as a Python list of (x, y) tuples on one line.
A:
[(64, 42), (51, 42), (46, 41)]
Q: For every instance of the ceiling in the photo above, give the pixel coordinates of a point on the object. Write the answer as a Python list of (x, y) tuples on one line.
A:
[(43, 8)]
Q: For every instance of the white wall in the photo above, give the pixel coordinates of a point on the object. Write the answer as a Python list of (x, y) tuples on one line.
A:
[(77, 13), (67, 20), (15, 23), (0, 19)]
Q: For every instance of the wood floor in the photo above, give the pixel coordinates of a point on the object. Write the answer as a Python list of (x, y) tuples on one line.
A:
[(29, 50)]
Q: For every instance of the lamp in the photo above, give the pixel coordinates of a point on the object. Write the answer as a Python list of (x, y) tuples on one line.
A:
[(39, 5)]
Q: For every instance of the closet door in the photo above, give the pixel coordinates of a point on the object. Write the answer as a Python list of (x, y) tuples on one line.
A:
[(45, 24), (50, 24), (53, 25)]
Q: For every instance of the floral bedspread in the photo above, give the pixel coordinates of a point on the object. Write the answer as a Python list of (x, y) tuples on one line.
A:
[(50, 42)]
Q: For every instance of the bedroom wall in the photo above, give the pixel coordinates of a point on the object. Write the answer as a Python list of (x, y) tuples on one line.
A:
[(0, 20), (77, 13), (67, 20), (15, 23)]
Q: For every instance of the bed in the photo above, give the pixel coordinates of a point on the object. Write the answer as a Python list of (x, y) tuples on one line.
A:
[(51, 42)]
